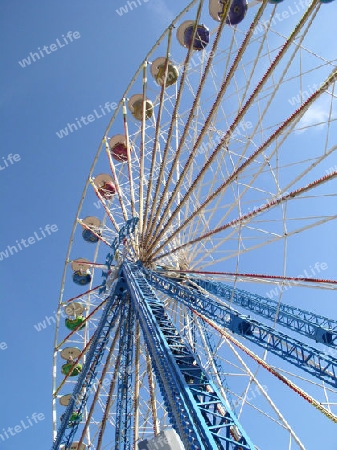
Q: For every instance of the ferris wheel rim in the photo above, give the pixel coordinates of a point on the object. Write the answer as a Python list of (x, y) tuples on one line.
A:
[(87, 183), (91, 172)]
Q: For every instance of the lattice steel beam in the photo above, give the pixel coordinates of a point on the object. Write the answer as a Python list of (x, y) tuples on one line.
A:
[(197, 411), (309, 324), (303, 356), (123, 433), (94, 356)]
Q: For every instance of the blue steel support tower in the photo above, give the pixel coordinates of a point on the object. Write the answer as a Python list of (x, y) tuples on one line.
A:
[(204, 131), (197, 411)]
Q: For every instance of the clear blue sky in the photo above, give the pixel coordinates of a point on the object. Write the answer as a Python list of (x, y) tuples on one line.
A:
[(44, 186)]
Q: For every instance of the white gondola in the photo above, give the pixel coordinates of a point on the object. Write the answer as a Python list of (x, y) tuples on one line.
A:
[(80, 265), (118, 147), (185, 33), (92, 222), (70, 353), (74, 309), (105, 185), (135, 105), (74, 446), (65, 399), (158, 67)]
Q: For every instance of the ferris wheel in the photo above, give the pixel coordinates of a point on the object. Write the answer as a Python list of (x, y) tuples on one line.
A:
[(195, 312)]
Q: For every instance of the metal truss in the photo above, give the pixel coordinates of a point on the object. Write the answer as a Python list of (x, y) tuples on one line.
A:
[(209, 337), (65, 434), (202, 418), (309, 324), (306, 358), (123, 433)]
